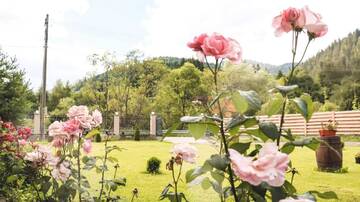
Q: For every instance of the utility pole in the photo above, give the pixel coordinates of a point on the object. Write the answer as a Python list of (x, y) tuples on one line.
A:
[(43, 87)]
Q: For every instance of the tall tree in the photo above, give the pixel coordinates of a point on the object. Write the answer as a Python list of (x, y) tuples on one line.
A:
[(15, 95)]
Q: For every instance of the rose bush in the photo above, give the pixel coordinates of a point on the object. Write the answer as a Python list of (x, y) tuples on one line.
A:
[(54, 172), (249, 170)]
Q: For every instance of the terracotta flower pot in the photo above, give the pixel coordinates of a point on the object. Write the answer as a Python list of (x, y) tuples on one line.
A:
[(327, 133)]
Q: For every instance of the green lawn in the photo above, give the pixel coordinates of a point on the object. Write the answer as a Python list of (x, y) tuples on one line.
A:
[(133, 165)]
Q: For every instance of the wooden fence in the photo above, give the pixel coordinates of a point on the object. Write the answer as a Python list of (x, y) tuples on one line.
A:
[(348, 122)]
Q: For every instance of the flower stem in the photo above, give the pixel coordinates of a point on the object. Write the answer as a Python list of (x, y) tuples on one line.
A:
[(78, 168), (103, 169), (295, 39), (109, 192), (222, 131), (175, 184)]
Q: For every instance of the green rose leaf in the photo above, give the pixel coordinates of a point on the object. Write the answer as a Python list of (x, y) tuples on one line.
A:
[(274, 105), (206, 183), (257, 133), (246, 121), (92, 133), (269, 129), (246, 101), (286, 89), (287, 148), (197, 130), (304, 106), (325, 195), (218, 162), (240, 147), (311, 143)]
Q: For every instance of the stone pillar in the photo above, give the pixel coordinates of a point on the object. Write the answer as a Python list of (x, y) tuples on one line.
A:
[(36, 123), (116, 123), (152, 124)]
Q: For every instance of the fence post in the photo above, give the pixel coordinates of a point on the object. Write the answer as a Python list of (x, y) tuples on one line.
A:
[(36, 123), (333, 116), (116, 123), (152, 124)]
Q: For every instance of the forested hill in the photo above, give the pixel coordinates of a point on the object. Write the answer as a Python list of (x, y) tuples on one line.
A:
[(336, 72), (341, 59)]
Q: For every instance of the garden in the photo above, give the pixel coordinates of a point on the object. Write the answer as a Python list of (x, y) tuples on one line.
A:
[(244, 141)]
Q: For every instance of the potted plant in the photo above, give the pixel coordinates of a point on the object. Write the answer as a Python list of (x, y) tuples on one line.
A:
[(357, 158), (328, 129)]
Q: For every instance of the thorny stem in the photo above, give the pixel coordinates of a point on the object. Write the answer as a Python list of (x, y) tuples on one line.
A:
[(103, 168), (222, 131), (78, 167)]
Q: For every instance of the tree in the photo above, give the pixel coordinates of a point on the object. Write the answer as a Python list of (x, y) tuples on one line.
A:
[(59, 91), (177, 93), (15, 95)]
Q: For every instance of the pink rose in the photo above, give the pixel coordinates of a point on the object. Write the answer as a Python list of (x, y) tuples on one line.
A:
[(81, 113), (58, 142), (41, 156), (242, 167), (270, 166), (22, 142), (57, 129), (78, 111), (87, 146), (197, 42), (61, 171), (187, 152), (236, 51), (289, 19), (72, 126), (313, 24), (216, 45), (97, 118)]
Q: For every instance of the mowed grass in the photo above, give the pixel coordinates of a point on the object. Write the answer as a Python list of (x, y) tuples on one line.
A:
[(133, 160)]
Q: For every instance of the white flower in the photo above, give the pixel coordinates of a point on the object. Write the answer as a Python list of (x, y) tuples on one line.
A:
[(187, 152)]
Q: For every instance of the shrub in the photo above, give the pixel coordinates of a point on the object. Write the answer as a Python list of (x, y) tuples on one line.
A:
[(153, 165), (98, 137), (137, 135)]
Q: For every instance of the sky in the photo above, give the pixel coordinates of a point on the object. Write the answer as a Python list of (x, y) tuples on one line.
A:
[(79, 28)]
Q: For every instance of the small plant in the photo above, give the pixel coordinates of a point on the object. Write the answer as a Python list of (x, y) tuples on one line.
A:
[(329, 125), (137, 135), (357, 158), (357, 155), (98, 137), (153, 165)]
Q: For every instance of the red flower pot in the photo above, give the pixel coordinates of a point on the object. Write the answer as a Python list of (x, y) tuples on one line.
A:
[(327, 133)]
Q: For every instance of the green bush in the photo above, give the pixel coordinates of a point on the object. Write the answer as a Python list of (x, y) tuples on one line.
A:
[(98, 137), (153, 165), (328, 107), (137, 135)]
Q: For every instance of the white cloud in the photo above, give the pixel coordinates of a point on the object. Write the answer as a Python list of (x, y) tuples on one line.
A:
[(170, 24), (22, 34)]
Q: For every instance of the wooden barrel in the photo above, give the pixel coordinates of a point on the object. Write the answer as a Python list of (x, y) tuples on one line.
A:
[(329, 153)]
